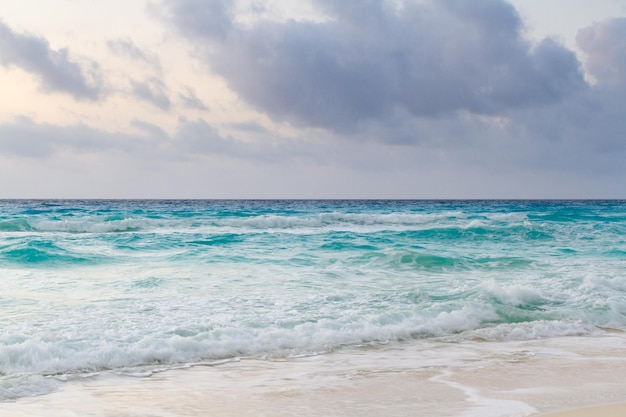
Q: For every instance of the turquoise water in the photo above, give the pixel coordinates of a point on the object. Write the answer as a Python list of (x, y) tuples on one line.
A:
[(130, 286)]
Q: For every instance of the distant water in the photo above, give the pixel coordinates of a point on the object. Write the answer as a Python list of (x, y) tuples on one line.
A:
[(130, 286)]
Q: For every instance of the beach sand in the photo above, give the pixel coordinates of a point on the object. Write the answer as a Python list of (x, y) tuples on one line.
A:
[(611, 410), (475, 379)]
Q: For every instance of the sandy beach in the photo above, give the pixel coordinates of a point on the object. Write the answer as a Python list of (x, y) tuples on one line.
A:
[(611, 410), (424, 379)]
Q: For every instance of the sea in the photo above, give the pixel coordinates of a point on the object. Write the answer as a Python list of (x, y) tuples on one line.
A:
[(138, 287)]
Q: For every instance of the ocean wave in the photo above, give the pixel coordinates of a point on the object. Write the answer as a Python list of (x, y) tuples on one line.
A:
[(451, 223), (94, 225), (42, 252), (143, 340), (49, 353), (72, 350), (525, 331), (15, 225), (373, 221)]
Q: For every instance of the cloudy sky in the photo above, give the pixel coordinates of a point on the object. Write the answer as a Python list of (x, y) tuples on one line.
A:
[(313, 99)]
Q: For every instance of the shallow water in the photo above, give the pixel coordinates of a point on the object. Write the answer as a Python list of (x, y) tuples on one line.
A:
[(134, 286), (423, 377)]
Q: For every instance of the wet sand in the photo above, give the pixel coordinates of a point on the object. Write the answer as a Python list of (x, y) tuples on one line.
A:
[(476, 379)]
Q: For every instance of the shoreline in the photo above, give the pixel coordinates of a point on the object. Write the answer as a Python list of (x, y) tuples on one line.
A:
[(557, 377)]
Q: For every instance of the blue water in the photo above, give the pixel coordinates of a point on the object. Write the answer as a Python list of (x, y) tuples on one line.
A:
[(90, 286)]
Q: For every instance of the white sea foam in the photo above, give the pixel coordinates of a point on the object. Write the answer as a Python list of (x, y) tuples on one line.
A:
[(516, 294), (50, 353), (95, 225), (339, 221), (508, 217), (474, 224), (26, 385), (484, 406), (287, 223), (526, 331)]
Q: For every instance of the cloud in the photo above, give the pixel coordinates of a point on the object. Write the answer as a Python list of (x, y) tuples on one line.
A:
[(485, 161), (54, 68), (585, 132), (151, 90), (391, 98), (149, 129), (200, 18), (605, 45), (127, 48), (452, 79), (198, 137), (371, 58), (190, 100), (26, 138)]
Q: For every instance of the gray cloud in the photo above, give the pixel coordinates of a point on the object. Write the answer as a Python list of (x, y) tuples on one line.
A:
[(190, 100), (587, 132), (54, 68), (151, 90), (398, 99), (485, 161), (198, 137), (373, 57), (248, 127), (193, 138), (583, 134), (149, 129), (23, 137), (127, 48), (453, 79), (200, 18)]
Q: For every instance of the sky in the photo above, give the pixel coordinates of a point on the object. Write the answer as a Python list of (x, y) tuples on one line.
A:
[(313, 99)]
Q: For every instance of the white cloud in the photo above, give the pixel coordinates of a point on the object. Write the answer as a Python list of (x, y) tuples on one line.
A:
[(605, 45)]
